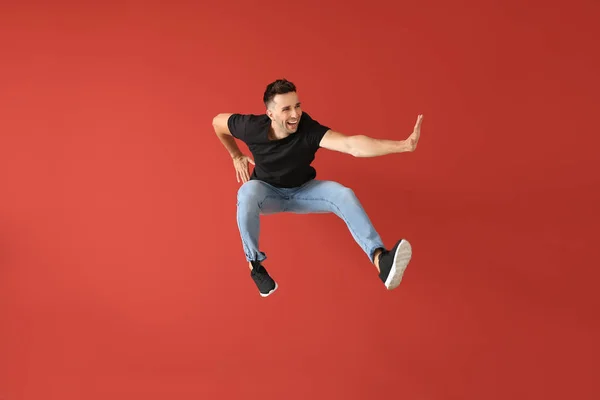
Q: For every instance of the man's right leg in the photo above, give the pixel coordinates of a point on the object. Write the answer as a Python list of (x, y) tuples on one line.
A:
[(253, 199)]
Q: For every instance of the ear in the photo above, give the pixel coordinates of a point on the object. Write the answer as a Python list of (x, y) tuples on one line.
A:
[(270, 114)]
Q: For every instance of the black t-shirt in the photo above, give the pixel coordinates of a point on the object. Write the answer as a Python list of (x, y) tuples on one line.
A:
[(282, 162)]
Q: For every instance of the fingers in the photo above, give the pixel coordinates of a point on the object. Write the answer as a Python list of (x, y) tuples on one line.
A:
[(419, 120), (242, 169), (416, 133), (238, 172), (242, 176), (241, 173), (247, 169), (417, 129)]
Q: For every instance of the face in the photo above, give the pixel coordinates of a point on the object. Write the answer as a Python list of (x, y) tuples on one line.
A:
[(285, 112)]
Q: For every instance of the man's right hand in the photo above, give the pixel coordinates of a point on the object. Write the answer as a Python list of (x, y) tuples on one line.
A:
[(240, 164)]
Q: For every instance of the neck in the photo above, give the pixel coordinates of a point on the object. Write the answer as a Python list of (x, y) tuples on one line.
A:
[(275, 133)]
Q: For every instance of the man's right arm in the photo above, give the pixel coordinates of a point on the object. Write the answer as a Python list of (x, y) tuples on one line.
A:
[(224, 134)]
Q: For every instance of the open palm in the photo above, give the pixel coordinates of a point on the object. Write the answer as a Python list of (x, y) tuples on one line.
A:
[(413, 139)]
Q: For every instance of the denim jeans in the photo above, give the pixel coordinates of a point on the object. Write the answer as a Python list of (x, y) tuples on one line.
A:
[(257, 198)]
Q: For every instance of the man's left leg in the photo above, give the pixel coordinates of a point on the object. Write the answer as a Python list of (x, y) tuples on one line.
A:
[(319, 196)]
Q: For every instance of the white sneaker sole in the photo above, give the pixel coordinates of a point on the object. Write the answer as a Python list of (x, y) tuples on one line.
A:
[(401, 260), (270, 293)]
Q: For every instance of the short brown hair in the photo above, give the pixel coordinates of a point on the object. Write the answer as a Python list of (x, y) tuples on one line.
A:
[(279, 86)]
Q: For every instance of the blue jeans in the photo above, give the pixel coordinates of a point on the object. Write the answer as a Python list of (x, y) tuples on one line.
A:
[(257, 198)]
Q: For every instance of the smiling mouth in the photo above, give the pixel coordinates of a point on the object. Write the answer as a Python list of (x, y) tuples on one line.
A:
[(292, 124)]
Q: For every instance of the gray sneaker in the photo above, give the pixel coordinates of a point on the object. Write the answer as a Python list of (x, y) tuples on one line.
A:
[(392, 263), (265, 284)]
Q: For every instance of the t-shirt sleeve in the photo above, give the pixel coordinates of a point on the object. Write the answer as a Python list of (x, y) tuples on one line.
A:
[(314, 130), (238, 126)]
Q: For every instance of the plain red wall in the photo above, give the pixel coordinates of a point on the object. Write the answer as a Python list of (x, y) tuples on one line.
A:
[(122, 275)]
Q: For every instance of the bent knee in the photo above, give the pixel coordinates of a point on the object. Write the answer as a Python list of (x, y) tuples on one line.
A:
[(340, 190), (346, 194), (251, 191), (338, 193)]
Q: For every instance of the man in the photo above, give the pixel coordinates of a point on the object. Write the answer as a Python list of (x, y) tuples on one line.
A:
[(283, 143)]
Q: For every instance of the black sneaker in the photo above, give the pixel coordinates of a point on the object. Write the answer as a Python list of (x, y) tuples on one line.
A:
[(266, 285), (392, 263)]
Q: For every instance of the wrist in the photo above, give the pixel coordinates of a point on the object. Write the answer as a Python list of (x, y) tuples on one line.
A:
[(401, 146)]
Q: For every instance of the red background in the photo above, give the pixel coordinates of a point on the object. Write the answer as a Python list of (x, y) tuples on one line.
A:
[(122, 273)]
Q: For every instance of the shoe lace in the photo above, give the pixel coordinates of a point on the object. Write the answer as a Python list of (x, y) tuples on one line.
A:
[(259, 272)]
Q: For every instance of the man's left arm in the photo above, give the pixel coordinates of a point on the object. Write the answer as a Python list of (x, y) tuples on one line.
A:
[(365, 146)]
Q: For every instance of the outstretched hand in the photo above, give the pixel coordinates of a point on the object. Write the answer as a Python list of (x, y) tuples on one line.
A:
[(413, 139), (240, 164)]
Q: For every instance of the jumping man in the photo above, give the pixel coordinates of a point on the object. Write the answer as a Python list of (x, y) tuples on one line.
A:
[(283, 143)]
